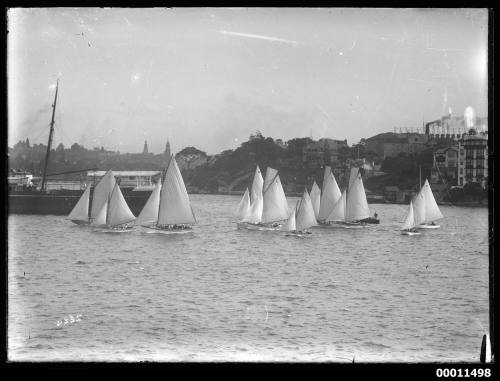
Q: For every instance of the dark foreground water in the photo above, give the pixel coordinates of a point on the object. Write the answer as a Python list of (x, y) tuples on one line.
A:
[(222, 294)]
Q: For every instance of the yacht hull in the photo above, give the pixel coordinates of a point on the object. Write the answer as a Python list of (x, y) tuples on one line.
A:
[(410, 233), (156, 230), (250, 226), (426, 226)]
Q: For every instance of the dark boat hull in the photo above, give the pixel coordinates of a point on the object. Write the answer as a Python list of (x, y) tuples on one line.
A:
[(62, 204)]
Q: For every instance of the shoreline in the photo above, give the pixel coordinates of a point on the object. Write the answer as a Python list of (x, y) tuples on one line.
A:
[(471, 204)]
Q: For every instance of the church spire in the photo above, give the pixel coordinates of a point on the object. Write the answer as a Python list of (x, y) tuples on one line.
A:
[(167, 149)]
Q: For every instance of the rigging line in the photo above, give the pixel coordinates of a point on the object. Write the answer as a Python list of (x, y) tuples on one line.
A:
[(444, 182), (270, 183), (38, 136)]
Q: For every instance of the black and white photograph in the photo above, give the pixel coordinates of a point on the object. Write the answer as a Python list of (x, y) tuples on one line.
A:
[(256, 185)]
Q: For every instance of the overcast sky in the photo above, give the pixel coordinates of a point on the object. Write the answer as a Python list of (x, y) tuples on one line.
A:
[(211, 77)]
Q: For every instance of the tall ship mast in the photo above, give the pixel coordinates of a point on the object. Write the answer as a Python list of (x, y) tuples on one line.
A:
[(25, 199), (49, 145)]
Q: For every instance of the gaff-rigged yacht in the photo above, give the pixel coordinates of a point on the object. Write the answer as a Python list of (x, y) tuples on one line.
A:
[(81, 213), (329, 196), (173, 213), (409, 224), (431, 209), (301, 218), (115, 215), (268, 209), (351, 209)]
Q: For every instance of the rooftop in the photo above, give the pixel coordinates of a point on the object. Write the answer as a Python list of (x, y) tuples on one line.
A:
[(124, 173)]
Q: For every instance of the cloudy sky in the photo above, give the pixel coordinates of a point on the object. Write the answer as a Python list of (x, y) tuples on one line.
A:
[(211, 77)]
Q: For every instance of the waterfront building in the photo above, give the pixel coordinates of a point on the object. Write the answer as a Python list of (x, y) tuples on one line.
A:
[(473, 158), (322, 152), (137, 180), (391, 144), (445, 168)]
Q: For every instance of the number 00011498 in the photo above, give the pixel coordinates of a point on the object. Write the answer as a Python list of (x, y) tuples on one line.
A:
[(479, 372)]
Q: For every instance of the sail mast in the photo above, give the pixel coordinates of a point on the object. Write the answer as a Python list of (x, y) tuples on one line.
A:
[(49, 144)]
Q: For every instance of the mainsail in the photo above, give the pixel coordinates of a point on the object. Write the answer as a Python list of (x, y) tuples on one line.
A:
[(315, 198), (290, 225), (409, 221), (256, 185), (118, 211), (329, 196), (275, 206), (100, 218), (271, 173), (150, 211), (244, 206), (432, 211), (352, 176), (81, 210), (256, 209), (305, 214), (338, 212), (174, 207), (356, 204), (102, 192), (419, 208)]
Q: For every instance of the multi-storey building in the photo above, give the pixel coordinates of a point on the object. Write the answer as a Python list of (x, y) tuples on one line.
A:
[(323, 152), (473, 158), (445, 166), (391, 144)]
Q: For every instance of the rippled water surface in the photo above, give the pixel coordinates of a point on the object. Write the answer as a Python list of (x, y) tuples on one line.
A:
[(219, 293)]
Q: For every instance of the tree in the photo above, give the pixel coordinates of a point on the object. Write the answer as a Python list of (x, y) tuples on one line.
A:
[(191, 151)]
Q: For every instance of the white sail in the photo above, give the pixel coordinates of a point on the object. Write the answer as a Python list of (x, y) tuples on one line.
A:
[(149, 212), (315, 198), (409, 221), (118, 211), (100, 218), (102, 192), (290, 225), (330, 195), (305, 214), (356, 204), (419, 208), (81, 210), (338, 212), (255, 215), (244, 206), (432, 211), (352, 176), (275, 207), (175, 207), (257, 184), (271, 173)]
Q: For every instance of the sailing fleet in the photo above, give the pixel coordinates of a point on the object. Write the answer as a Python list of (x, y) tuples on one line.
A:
[(167, 210), (263, 206)]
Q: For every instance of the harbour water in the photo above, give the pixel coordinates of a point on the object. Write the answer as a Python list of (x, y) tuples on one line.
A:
[(222, 294)]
